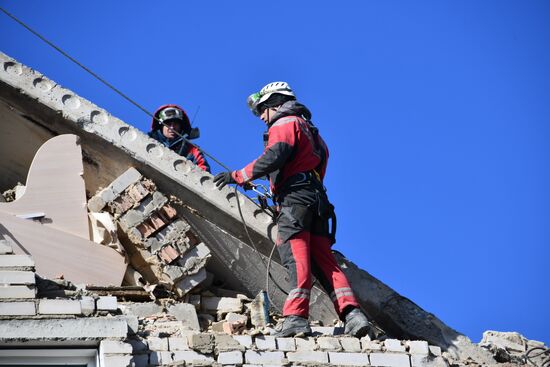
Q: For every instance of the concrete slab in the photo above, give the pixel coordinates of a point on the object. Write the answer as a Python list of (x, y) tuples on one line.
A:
[(44, 329)]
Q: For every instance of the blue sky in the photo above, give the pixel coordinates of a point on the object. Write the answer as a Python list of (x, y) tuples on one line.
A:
[(436, 113)]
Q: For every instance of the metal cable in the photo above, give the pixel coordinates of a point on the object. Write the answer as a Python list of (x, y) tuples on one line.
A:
[(267, 266)]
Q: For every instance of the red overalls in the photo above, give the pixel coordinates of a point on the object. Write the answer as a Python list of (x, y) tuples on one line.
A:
[(295, 159)]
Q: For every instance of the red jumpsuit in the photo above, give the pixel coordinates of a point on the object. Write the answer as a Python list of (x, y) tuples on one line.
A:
[(295, 160)]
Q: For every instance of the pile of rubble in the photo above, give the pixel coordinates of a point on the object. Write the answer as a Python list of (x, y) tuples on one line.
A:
[(160, 245), (511, 347)]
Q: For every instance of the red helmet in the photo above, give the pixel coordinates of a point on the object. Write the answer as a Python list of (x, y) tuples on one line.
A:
[(169, 112)]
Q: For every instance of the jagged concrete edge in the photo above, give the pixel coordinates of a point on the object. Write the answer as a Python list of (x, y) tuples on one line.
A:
[(144, 149)]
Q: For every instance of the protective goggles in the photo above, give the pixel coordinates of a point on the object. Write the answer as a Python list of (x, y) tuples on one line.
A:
[(170, 113), (253, 102)]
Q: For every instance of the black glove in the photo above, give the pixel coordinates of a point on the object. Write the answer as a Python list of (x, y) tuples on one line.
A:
[(222, 179)]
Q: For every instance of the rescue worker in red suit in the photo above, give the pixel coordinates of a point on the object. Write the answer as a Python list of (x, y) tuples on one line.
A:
[(170, 126), (295, 159)]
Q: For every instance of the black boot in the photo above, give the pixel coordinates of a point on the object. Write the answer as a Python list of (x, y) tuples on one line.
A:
[(293, 326), (357, 324)]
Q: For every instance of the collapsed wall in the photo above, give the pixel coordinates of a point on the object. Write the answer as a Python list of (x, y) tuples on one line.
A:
[(33, 108)]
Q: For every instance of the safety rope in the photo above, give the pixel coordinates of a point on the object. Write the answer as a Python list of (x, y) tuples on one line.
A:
[(543, 353), (123, 95)]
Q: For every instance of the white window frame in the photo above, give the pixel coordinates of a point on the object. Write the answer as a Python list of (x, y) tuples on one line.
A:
[(14, 357)]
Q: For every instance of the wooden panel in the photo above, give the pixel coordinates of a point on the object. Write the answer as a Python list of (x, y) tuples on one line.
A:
[(56, 252), (55, 186)]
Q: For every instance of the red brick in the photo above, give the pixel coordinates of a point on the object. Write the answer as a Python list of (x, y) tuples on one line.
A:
[(156, 221), (233, 327), (168, 254), (146, 229), (167, 213), (137, 192)]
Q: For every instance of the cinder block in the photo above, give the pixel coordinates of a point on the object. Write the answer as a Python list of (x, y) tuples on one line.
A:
[(124, 181), (174, 233), (131, 219), (351, 344), (158, 358), (253, 357), (307, 356), (8, 261), (174, 272), (190, 356), (225, 343), (113, 360), (435, 350), (244, 340), (286, 344), (418, 347), (329, 344), (178, 344), (59, 307), (191, 281), (17, 277), (195, 258), (152, 203), (265, 342), (234, 357), (87, 305), (390, 360), (17, 308), (63, 328), (202, 342), (141, 309), (216, 305), (96, 203), (305, 344), (236, 317), (370, 345), (17, 291), (157, 344), (114, 347), (107, 303), (394, 345), (348, 359)]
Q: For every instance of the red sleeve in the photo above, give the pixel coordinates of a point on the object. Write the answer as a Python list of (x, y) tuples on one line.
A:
[(200, 160), (280, 144)]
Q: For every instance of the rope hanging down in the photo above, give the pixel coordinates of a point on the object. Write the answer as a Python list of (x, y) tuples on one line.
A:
[(120, 93)]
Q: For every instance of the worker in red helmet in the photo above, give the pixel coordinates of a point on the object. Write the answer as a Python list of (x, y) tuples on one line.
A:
[(295, 159), (172, 128)]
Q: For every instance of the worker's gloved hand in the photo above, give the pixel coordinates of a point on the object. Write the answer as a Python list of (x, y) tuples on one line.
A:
[(222, 179)]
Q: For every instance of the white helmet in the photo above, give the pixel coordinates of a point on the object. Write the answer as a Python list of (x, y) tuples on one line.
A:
[(267, 91)]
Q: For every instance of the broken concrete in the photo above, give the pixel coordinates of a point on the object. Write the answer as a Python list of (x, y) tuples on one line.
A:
[(66, 329)]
